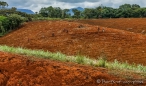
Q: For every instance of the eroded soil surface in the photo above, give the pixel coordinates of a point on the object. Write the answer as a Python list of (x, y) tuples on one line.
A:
[(72, 38), (16, 70), (137, 25)]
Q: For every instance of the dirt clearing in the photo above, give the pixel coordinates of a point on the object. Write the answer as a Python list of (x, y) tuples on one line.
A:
[(74, 38)]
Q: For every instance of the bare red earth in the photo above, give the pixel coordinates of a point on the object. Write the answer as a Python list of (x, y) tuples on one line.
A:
[(72, 38), (137, 25), (16, 70)]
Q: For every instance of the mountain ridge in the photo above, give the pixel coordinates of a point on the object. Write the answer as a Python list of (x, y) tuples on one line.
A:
[(78, 8), (28, 11)]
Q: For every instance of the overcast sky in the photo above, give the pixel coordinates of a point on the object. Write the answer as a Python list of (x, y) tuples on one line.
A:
[(35, 5)]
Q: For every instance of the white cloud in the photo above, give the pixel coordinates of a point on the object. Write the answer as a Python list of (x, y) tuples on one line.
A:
[(36, 5)]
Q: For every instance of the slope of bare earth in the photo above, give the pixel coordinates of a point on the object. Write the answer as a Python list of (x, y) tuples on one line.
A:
[(137, 25), (74, 38), (70, 38), (16, 70)]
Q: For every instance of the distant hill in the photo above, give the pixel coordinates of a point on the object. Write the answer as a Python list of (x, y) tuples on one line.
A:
[(78, 8), (26, 11), (31, 12)]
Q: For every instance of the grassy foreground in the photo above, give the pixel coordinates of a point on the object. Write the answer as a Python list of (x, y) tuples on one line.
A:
[(101, 62)]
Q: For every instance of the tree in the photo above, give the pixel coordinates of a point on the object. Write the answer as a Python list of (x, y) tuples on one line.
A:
[(99, 11), (136, 10), (57, 12), (50, 11), (3, 4), (89, 13), (125, 6), (125, 11), (107, 12), (44, 12), (142, 12), (13, 9), (135, 6), (65, 13), (77, 13)]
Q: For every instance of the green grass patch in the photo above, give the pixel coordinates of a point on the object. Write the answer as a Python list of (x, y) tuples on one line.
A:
[(100, 62)]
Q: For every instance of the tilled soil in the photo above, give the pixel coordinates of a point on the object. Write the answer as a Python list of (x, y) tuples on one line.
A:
[(74, 38), (71, 38), (136, 25), (16, 70)]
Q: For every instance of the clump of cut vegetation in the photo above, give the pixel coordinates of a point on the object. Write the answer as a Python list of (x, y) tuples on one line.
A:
[(101, 62)]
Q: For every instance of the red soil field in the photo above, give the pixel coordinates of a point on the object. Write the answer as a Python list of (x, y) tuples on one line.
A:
[(16, 70), (71, 38), (19, 71), (137, 25), (74, 38)]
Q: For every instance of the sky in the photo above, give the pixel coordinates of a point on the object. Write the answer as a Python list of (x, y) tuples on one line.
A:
[(36, 5)]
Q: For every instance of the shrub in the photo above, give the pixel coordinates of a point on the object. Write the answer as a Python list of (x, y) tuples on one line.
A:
[(15, 21), (10, 22), (4, 24)]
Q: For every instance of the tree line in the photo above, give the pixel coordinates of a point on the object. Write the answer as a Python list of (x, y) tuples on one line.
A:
[(54, 12), (124, 11)]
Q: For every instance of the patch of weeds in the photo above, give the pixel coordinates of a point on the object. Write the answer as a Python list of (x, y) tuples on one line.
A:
[(59, 56), (91, 63), (80, 59), (102, 60)]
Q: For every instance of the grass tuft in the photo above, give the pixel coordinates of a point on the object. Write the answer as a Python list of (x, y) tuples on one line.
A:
[(101, 62)]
